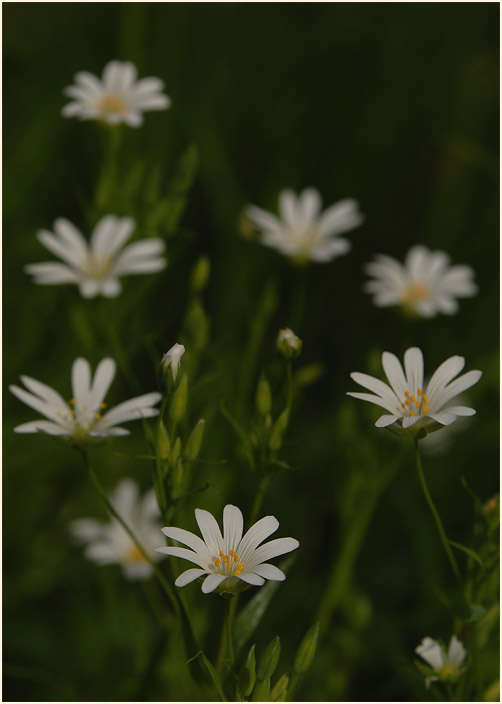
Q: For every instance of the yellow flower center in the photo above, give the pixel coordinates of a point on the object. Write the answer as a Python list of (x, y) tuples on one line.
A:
[(413, 293), (97, 266), (133, 556), (228, 565), (79, 420), (415, 404), (448, 672), (111, 103)]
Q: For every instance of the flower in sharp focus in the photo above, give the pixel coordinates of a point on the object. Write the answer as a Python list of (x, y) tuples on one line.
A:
[(108, 543), (229, 559), (425, 284), (408, 400), (117, 97), (301, 231), (288, 344), (84, 416), (446, 665), (96, 266)]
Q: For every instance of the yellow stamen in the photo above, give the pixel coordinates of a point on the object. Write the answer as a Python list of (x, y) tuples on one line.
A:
[(225, 557), (217, 562), (426, 408), (237, 573), (221, 553), (418, 404), (406, 393), (413, 399), (102, 405), (403, 406), (111, 103), (408, 401), (231, 553), (73, 400), (426, 400), (236, 557), (240, 567), (419, 392), (98, 416), (411, 413)]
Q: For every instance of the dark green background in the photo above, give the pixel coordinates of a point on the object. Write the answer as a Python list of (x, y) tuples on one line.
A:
[(394, 104)]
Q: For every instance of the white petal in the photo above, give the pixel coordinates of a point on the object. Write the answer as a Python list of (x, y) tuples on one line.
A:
[(443, 417), (378, 387), (137, 570), (341, 217), (456, 387), (377, 400), (280, 546), (288, 208), (110, 287), (408, 421), (86, 529), (444, 373), (431, 652), (263, 219), (210, 530), (386, 420), (460, 410), (142, 266), (89, 288), (103, 377), (46, 393), (193, 541), (325, 251), (184, 554), (133, 118), (456, 652), (81, 381), (59, 248), (310, 204), (38, 404), (188, 576), (211, 582), (252, 578), (150, 102), (270, 572), (72, 237), (51, 273), (233, 525), (147, 85), (125, 497), (394, 372), (256, 535), (414, 368), (42, 426), (111, 75), (133, 409)]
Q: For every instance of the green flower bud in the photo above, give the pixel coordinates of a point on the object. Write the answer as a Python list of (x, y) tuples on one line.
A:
[(288, 344), (263, 396), (169, 367), (194, 442), (200, 274), (262, 691), (269, 659), (280, 689), (162, 442), (307, 648), (278, 431), (177, 478), (176, 451), (179, 401), (247, 677)]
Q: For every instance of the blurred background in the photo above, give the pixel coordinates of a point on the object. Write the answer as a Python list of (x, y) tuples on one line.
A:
[(393, 104)]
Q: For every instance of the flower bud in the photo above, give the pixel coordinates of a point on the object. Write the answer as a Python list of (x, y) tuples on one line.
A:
[(280, 689), (307, 648), (200, 274), (169, 368), (162, 442), (176, 451), (288, 344), (269, 659), (179, 401), (262, 691), (263, 396), (278, 431), (247, 677), (194, 442)]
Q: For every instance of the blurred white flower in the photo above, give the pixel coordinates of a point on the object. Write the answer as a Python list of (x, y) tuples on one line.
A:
[(447, 665), (83, 417), (301, 231), (97, 266), (117, 97), (426, 283), (226, 559), (171, 360), (109, 543), (405, 398)]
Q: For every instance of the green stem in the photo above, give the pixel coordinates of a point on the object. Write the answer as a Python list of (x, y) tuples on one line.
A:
[(258, 499), (228, 623), (289, 387), (435, 514), (173, 596)]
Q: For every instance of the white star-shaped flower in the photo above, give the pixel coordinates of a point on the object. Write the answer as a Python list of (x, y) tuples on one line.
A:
[(230, 558), (447, 665), (408, 400), (117, 97), (96, 266), (83, 417), (425, 283), (301, 231), (108, 543)]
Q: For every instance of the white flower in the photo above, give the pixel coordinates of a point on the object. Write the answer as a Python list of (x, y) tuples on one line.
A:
[(96, 267), (425, 283), (226, 559), (172, 358), (83, 417), (302, 232), (447, 665), (117, 97), (408, 400), (288, 344), (108, 543)]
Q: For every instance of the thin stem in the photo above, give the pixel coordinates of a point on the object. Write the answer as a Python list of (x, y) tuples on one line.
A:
[(289, 386), (258, 499), (228, 623), (434, 512)]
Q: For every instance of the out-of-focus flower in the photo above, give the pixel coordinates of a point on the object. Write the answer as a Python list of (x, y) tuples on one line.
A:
[(229, 559), (288, 344), (83, 417), (425, 284), (301, 231), (97, 266), (406, 399), (108, 543), (169, 367), (117, 97), (445, 665)]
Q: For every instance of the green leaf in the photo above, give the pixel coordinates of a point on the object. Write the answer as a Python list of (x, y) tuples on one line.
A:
[(247, 677), (269, 659), (251, 615), (468, 551), (307, 649), (477, 612), (262, 691), (212, 674)]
